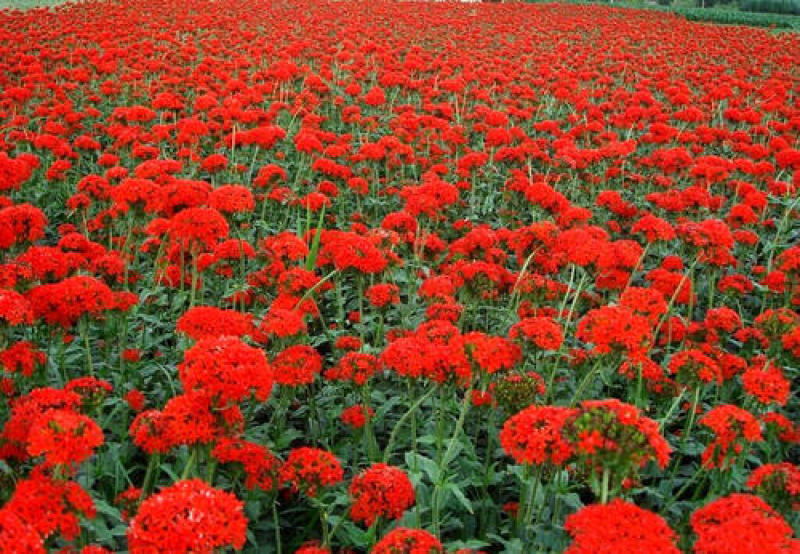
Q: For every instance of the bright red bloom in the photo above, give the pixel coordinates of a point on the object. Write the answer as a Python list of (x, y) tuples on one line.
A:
[(148, 431), (491, 354), (22, 357), (26, 411), (692, 367), (307, 469), (780, 483), (613, 328), (383, 294), (542, 332), (767, 383), (614, 435), (732, 427), (296, 365), (135, 399), (189, 516), (14, 308), (21, 223), (16, 536), (64, 303), (356, 416), (226, 369), (197, 229), (312, 548), (229, 199), (354, 366), (51, 506), (408, 541), (203, 322), (283, 323), (64, 438), (733, 524), (380, 491), (616, 527), (260, 466), (534, 436)]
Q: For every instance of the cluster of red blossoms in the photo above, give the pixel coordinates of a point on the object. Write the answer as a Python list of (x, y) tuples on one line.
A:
[(287, 259), (599, 436)]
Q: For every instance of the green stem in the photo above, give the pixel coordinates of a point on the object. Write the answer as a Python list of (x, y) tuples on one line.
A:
[(604, 486), (277, 525), (189, 464), (323, 520), (686, 432), (585, 382), (372, 443), (84, 330), (440, 481), (525, 511), (150, 475)]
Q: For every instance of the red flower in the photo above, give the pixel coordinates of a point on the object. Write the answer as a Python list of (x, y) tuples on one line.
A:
[(203, 322), (408, 541), (307, 469), (541, 332), (614, 328), (64, 438), (50, 506), (534, 436), (21, 223), (732, 426), (64, 303), (283, 323), (613, 435), (694, 368), (227, 370), (616, 527), (357, 416), (230, 199), (380, 491), (312, 548), (26, 411), (148, 431), (767, 383), (296, 365), (354, 366), (491, 354), (735, 523), (16, 536), (22, 357), (189, 516), (197, 229), (14, 308), (259, 464), (382, 295), (135, 399)]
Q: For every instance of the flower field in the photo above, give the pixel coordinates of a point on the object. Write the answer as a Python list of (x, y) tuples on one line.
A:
[(397, 278)]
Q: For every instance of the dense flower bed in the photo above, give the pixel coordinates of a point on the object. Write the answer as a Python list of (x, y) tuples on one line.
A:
[(397, 278)]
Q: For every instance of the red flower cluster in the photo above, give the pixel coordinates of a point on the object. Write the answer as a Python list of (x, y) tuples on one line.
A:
[(535, 435), (779, 483), (260, 466), (296, 366), (735, 523), (380, 491), (408, 541), (308, 469), (227, 370), (733, 428), (619, 526), (188, 516)]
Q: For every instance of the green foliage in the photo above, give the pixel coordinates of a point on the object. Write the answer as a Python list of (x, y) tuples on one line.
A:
[(791, 7), (730, 17)]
